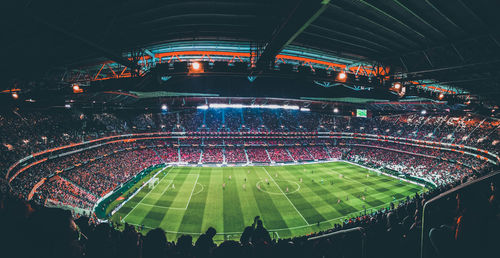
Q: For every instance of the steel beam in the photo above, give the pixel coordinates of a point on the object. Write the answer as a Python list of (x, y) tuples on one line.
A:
[(92, 45), (299, 18)]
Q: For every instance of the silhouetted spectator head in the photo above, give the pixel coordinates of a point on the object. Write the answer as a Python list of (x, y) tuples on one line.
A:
[(211, 232), (54, 234), (154, 244)]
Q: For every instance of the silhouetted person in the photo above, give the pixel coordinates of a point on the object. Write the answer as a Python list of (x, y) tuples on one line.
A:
[(185, 246), (155, 244), (260, 234), (205, 243)]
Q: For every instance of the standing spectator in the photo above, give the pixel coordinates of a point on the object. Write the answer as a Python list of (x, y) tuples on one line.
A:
[(205, 243)]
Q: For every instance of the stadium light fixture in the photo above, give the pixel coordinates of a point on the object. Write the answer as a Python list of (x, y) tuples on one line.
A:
[(77, 88), (14, 95), (196, 66), (264, 106), (342, 76)]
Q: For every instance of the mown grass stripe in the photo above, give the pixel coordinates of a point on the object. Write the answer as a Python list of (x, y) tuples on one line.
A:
[(233, 215), (192, 221), (213, 213)]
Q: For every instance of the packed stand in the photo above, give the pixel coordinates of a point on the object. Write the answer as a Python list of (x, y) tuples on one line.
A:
[(279, 154), (212, 155)]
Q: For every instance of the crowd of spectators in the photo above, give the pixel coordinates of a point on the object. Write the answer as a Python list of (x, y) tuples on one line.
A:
[(256, 155), (431, 169), (212, 155), (65, 193), (103, 175), (335, 152), (279, 154), (235, 155), (99, 170), (190, 154), (168, 154), (85, 176), (318, 152), (394, 231), (300, 153), (25, 133)]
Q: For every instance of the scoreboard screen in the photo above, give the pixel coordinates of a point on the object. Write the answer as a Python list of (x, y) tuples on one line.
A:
[(361, 113)]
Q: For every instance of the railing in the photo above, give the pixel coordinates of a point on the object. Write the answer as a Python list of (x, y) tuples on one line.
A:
[(357, 231), (429, 221)]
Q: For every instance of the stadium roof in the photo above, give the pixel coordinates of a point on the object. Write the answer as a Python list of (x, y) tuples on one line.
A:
[(452, 43)]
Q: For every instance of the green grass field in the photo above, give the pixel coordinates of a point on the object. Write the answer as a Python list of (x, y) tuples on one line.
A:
[(188, 200)]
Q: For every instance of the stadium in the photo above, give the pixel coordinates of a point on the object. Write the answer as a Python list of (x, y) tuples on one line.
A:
[(250, 129)]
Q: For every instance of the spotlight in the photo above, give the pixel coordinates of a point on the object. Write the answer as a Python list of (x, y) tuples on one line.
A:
[(164, 107), (397, 85), (423, 112), (196, 66), (77, 89), (335, 110), (441, 96), (342, 76), (14, 95)]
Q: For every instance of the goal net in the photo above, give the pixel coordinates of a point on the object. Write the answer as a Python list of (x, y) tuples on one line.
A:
[(153, 183)]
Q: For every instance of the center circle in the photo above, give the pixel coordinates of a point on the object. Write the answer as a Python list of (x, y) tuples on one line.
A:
[(272, 187)]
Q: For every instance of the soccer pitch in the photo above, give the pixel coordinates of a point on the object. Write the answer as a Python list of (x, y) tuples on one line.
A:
[(188, 200)]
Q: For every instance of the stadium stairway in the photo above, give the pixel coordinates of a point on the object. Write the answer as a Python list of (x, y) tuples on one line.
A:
[(310, 154), (268, 156), (158, 154), (201, 157), (246, 155), (327, 152), (290, 154), (78, 186)]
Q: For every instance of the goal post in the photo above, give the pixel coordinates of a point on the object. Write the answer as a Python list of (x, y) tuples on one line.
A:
[(153, 183)]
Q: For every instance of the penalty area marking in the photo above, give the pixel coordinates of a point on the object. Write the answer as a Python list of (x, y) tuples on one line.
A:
[(176, 208), (192, 191), (162, 207), (147, 193), (172, 208)]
